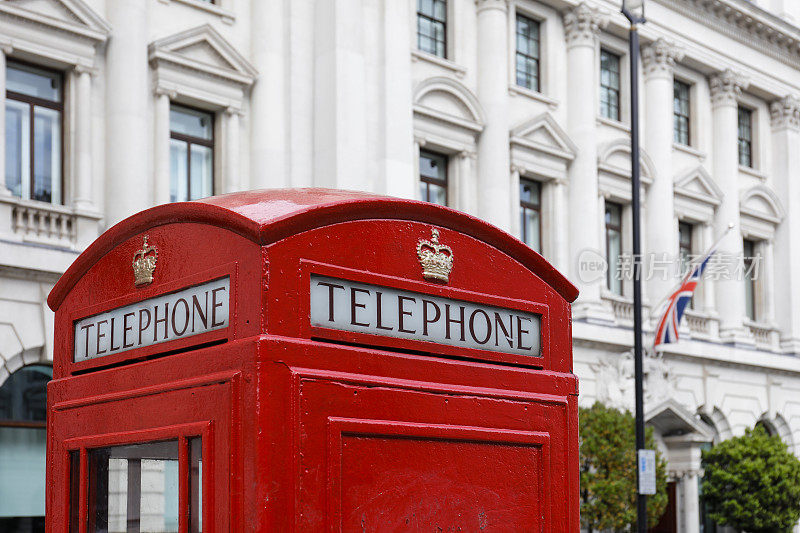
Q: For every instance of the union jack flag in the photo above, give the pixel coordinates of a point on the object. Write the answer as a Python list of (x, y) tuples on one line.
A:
[(667, 330)]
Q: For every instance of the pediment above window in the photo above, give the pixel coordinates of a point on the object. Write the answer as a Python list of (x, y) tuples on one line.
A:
[(671, 419), (449, 102), (614, 169), (182, 59), (698, 185), (543, 134), (761, 211), (61, 33), (541, 147)]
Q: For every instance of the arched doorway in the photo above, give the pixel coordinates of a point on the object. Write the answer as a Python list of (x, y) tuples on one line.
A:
[(23, 441)]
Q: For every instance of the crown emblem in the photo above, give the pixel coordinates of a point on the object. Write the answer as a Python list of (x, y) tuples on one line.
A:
[(436, 259), (144, 263)]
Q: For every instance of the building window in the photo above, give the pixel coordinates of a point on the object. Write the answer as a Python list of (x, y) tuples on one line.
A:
[(530, 208), (745, 137), (685, 251), (432, 27), (750, 278), (609, 85), (433, 178), (23, 439), (527, 53), (191, 154), (680, 112), (614, 247), (34, 111)]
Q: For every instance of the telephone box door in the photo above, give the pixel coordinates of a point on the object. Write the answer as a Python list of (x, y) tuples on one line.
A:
[(134, 461)]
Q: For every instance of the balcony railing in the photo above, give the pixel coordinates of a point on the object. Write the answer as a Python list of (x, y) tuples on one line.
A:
[(47, 225)]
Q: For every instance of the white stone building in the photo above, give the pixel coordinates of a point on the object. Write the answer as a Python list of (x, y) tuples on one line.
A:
[(511, 110)]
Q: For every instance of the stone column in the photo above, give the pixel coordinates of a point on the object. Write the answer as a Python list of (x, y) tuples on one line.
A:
[(785, 115), (161, 172), (662, 240), (268, 127), (582, 24), (691, 502), (340, 96), (127, 144), (725, 88), (516, 229), (494, 182), (708, 285), (399, 173), (83, 141), (233, 179), (557, 232), (467, 192), (4, 50)]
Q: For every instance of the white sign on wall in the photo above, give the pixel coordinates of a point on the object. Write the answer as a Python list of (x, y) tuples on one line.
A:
[(178, 315), (362, 308), (647, 472)]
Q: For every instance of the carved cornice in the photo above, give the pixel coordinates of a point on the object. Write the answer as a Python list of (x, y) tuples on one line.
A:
[(582, 24), (746, 23), (659, 58), (726, 86), (785, 113)]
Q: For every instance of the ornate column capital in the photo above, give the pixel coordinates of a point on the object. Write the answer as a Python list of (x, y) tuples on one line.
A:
[(726, 86), (659, 57), (582, 24), (482, 5), (785, 113)]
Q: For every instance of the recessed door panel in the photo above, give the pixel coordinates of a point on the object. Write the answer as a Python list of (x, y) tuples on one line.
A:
[(380, 457)]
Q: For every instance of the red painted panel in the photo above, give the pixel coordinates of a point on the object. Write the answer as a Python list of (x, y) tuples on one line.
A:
[(407, 476)]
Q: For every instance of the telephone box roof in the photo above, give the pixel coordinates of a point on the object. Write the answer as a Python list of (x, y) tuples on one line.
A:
[(267, 216)]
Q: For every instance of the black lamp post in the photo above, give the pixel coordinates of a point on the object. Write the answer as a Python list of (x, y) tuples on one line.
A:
[(634, 12)]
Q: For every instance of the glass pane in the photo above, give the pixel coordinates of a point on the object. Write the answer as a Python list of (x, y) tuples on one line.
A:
[(23, 396), (190, 122), (433, 166), (18, 145), (134, 488), (437, 194), (178, 171), (46, 155), (530, 229), (22, 482), (32, 81), (201, 172), (614, 244), (529, 192), (195, 485), (613, 215), (440, 10)]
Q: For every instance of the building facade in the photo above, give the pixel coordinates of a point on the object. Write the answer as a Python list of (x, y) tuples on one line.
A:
[(515, 111)]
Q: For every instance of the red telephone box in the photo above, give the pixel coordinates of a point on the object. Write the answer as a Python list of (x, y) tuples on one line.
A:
[(311, 360)]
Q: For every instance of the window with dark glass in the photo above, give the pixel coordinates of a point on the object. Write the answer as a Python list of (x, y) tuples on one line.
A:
[(191, 153), (609, 85), (432, 27), (23, 438), (530, 210), (680, 112), (750, 278), (745, 137), (34, 110), (685, 250), (433, 178), (614, 247), (527, 53)]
